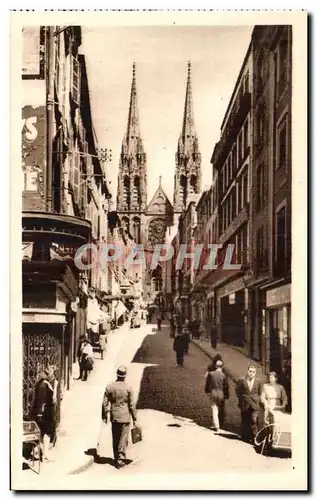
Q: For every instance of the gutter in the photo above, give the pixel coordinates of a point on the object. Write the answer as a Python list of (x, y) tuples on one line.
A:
[(50, 110)]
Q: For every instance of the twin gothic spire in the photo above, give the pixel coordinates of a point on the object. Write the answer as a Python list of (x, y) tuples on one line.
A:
[(188, 148)]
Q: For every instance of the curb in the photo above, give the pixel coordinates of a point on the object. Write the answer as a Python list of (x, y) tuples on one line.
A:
[(226, 370), (82, 467)]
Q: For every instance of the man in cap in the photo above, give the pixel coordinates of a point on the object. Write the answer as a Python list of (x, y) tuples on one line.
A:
[(118, 400)]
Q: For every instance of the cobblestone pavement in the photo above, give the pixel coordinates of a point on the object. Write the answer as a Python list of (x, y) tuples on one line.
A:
[(179, 391), (175, 417)]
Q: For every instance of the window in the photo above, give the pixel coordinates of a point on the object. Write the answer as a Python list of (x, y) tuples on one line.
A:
[(280, 245), (282, 144), (260, 201), (234, 158), (75, 176), (259, 128), (245, 244), (57, 65), (260, 249), (240, 151), (246, 83), (246, 136), (245, 188), (282, 65)]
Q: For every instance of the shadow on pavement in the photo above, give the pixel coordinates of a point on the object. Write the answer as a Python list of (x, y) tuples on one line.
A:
[(167, 388)]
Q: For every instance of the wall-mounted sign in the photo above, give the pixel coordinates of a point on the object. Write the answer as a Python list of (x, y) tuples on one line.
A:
[(33, 155), (33, 51), (232, 298), (278, 296)]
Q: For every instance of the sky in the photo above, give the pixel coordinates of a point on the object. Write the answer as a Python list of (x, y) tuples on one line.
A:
[(161, 54)]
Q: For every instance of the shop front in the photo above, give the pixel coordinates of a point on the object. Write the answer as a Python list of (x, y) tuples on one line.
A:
[(232, 310), (278, 356)]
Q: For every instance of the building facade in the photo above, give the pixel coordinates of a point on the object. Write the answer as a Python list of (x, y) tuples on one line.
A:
[(251, 208), (270, 278), (64, 200), (231, 160)]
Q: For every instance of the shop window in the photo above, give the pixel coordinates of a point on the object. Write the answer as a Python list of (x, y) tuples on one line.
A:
[(37, 296)]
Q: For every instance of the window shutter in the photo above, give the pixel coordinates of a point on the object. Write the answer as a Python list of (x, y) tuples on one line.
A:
[(76, 81), (75, 180)]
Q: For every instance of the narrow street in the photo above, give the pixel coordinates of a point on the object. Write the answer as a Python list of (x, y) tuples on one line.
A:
[(175, 417)]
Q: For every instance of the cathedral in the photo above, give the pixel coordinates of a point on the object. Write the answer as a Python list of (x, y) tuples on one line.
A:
[(147, 223)]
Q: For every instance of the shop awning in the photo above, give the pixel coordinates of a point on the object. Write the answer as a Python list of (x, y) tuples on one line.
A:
[(120, 309)]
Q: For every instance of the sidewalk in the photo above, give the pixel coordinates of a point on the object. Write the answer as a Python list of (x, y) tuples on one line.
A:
[(81, 411), (235, 362)]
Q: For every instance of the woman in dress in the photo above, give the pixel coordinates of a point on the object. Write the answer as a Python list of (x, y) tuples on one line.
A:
[(273, 397), (44, 410)]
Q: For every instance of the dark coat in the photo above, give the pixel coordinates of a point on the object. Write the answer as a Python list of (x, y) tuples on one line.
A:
[(217, 386), (249, 399), (180, 344)]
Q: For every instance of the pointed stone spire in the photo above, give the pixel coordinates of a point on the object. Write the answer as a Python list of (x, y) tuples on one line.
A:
[(187, 178), (188, 130), (133, 128)]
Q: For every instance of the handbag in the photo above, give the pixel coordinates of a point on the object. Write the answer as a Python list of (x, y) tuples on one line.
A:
[(89, 363), (136, 434)]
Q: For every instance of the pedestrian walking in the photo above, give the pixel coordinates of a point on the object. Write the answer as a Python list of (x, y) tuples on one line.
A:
[(179, 347), (118, 400), (159, 322), (102, 343), (216, 358), (43, 408), (217, 388), (186, 334), (80, 347), (213, 335), (172, 328), (87, 361), (249, 391)]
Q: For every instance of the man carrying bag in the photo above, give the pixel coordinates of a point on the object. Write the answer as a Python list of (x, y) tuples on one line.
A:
[(118, 400)]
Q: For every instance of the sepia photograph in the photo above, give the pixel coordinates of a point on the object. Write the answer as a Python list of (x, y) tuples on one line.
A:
[(157, 188)]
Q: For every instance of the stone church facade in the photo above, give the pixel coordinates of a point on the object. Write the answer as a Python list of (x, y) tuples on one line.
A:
[(146, 223)]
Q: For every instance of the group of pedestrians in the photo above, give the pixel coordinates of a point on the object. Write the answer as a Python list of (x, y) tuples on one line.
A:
[(252, 395)]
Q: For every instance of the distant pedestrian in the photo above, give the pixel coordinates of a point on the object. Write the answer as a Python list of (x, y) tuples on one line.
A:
[(179, 347), (249, 391), (213, 335), (81, 345), (186, 334), (119, 397), (87, 361), (102, 343), (172, 328), (217, 388), (159, 323)]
